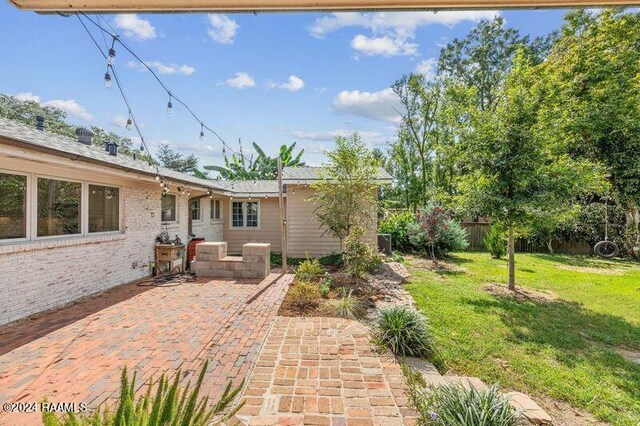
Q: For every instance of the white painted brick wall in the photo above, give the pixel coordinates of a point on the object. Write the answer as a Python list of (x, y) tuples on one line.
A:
[(38, 276)]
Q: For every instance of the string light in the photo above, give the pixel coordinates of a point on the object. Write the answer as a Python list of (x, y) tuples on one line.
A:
[(107, 78), (157, 178), (129, 124), (155, 75), (112, 53), (169, 105)]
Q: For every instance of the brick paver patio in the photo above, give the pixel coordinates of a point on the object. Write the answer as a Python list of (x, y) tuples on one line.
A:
[(76, 354), (324, 371)]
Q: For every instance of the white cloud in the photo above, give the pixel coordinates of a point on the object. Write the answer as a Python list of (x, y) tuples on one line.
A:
[(27, 96), (428, 68), (392, 32), (222, 29), (293, 84), (242, 80), (400, 23), (384, 46), (135, 27), (382, 105), (163, 68), (71, 107), (373, 138), (119, 121)]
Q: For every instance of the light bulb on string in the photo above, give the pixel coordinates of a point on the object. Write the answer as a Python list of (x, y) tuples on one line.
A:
[(112, 52), (201, 132), (141, 147), (169, 105), (112, 56), (129, 124), (107, 78)]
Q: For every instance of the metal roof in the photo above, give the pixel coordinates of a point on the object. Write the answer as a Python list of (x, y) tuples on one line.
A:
[(63, 145), (308, 174)]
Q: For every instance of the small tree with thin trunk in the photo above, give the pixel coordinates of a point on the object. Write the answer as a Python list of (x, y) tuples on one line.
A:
[(346, 194), (514, 168)]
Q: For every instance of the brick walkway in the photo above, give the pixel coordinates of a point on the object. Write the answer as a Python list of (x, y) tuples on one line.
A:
[(76, 354), (324, 371)]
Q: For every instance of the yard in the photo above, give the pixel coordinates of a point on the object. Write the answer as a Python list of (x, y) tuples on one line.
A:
[(573, 341)]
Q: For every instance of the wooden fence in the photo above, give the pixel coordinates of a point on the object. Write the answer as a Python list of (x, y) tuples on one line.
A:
[(476, 231)]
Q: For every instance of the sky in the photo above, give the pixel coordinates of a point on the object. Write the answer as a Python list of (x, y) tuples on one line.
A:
[(272, 78)]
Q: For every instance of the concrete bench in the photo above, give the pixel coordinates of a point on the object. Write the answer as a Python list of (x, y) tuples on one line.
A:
[(212, 261)]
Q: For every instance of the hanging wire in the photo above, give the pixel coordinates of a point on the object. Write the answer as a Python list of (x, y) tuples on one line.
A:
[(155, 75)]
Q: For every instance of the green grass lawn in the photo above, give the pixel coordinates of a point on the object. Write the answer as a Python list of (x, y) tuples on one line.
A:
[(563, 348)]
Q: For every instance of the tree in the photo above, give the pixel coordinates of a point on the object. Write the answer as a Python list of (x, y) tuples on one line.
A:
[(513, 168), (420, 100), (592, 102), (175, 161), (345, 195), (239, 167), (483, 59)]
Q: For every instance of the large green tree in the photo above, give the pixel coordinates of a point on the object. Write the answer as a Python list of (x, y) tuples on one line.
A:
[(483, 59), (592, 86), (176, 161), (514, 169)]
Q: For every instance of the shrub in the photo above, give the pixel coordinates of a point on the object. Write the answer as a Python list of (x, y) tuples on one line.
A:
[(304, 295), (170, 405), (347, 306), (309, 270), (333, 259), (436, 233), (397, 225), (404, 331), (325, 286), (496, 242), (455, 405), (359, 257)]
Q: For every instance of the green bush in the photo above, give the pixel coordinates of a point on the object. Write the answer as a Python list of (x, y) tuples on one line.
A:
[(437, 233), (170, 405), (359, 257), (496, 241), (309, 270), (348, 306), (404, 331), (397, 225), (456, 405), (304, 295)]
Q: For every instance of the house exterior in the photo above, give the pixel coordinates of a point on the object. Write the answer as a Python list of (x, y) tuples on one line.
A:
[(75, 220)]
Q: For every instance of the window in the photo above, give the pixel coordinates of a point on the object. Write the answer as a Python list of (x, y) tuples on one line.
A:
[(13, 206), (215, 209), (104, 208), (245, 214), (195, 209), (237, 214), (58, 210), (252, 214), (168, 208)]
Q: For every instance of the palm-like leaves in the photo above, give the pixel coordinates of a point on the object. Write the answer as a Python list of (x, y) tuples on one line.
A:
[(239, 167)]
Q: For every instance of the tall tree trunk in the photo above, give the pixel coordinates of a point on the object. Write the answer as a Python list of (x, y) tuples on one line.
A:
[(632, 237), (512, 259), (550, 245)]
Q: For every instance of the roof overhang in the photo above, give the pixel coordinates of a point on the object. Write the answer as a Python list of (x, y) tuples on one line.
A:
[(17, 143), (293, 5)]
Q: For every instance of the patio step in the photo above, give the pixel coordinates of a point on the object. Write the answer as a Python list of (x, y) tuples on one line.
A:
[(529, 409)]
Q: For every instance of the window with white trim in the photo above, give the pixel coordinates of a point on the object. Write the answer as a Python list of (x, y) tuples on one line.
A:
[(195, 209), (104, 208), (13, 206), (58, 207), (245, 214), (216, 210)]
